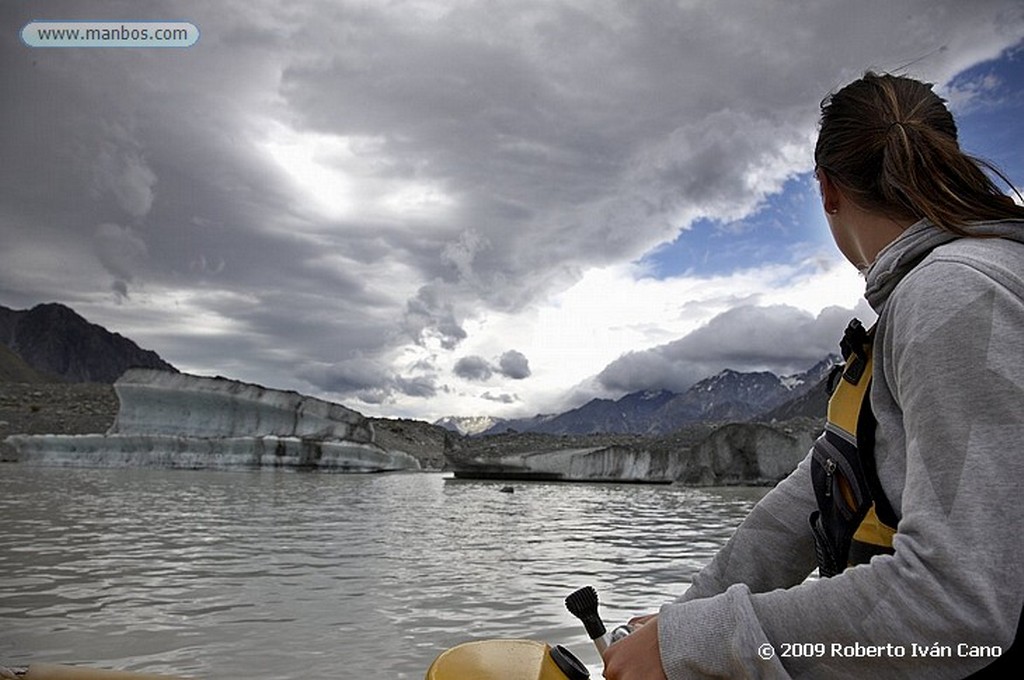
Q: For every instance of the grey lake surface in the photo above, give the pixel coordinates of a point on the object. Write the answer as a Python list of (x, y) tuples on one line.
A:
[(274, 574)]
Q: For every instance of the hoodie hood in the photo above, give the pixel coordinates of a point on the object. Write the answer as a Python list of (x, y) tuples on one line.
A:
[(913, 245)]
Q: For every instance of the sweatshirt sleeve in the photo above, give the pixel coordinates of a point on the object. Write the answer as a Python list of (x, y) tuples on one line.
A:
[(772, 547), (950, 596)]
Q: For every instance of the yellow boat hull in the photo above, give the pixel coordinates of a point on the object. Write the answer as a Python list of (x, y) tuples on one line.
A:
[(49, 671), (480, 660), (500, 660)]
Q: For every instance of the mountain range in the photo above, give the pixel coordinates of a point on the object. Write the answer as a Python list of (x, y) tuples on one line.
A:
[(52, 342), (727, 396)]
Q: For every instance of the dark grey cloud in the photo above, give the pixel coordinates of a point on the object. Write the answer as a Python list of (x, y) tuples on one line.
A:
[(512, 364), (121, 170), (780, 338), (367, 380), (430, 315), (515, 365), (422, 387), (358, 376), (122, 252), (473, 368)]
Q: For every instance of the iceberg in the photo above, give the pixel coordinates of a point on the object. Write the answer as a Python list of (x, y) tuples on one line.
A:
[(602, 463), (169, 419)]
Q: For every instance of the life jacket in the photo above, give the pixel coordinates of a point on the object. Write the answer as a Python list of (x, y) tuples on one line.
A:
[(854, 521)]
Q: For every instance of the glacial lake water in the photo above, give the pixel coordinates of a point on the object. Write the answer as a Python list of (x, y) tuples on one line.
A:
[(278, 574)]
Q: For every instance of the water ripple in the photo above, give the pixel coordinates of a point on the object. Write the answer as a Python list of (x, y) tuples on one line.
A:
[(270, 574)]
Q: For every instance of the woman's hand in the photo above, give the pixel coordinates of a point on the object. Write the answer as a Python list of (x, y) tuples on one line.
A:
[(638, 621), (637, 656)]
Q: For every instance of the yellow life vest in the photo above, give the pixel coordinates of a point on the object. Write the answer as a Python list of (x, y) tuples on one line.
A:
[(853, 521)]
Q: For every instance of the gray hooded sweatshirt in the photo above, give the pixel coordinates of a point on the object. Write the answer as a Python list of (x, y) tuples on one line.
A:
[(948, 394)]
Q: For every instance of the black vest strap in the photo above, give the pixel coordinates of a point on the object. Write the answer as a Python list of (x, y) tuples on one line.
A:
[(866, 425)]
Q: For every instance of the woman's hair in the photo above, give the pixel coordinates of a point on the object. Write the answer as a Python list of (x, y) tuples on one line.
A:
[(890, 144)]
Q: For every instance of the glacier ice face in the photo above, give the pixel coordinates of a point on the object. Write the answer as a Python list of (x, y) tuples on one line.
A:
[(207, 453), (168, 419), (749, 453), (595, 464), (162, 402), (735, 453)]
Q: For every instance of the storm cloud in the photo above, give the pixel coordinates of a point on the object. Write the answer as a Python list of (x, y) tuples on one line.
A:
[(372, 202), (512, 364)]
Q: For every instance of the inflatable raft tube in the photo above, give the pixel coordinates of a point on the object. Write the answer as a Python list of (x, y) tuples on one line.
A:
[(507, 660)]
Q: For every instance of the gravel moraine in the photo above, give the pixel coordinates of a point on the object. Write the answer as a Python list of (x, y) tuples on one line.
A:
[(54, 408)]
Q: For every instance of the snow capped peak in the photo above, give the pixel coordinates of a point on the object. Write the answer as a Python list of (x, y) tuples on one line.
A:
[(791, 382), (467, 425)]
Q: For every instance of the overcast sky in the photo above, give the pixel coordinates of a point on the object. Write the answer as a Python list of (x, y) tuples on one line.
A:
[(423, 208)]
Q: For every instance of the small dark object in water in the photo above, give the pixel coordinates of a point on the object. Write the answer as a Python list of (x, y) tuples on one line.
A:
[(508, 489)]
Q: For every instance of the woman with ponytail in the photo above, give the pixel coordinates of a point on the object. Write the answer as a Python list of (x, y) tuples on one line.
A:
[(942, 252)]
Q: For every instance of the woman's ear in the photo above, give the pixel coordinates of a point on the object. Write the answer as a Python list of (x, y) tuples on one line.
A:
[(829, 192)]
